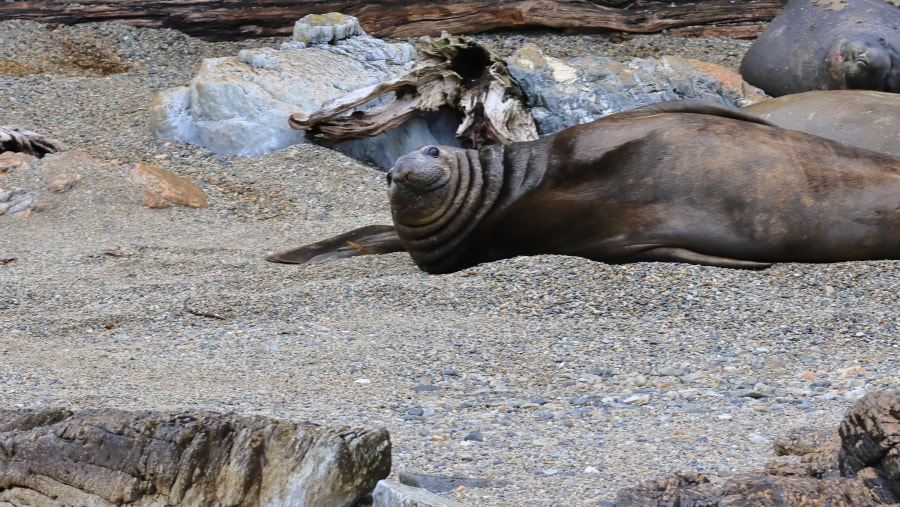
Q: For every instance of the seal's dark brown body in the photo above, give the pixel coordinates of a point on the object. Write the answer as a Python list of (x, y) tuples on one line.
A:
[(646, 186), (827, 45)]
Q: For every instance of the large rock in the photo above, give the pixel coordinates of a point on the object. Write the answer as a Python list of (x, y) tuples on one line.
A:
[(55, 457), (564, 93), (240, 105), (858, 468)]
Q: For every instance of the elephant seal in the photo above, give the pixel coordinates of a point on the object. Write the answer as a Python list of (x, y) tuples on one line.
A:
[(862, 118), (685, 181), (827, 45)]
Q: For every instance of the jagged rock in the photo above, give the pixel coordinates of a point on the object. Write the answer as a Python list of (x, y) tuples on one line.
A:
[(861, 468), (563, 93), (394, 494), (17, 139), (240, 105), (113, 457)]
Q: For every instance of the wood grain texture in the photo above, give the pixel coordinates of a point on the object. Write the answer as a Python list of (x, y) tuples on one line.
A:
[(237, 19)]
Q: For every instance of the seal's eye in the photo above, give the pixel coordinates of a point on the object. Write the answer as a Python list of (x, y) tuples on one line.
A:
[(882, 42), (431, 151), (390, 177)]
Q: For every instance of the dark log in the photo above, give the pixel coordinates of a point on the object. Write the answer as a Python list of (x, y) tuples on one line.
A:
[(238, 19)]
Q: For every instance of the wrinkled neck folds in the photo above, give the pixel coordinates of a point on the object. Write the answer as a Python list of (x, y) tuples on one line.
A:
[(474, 181)]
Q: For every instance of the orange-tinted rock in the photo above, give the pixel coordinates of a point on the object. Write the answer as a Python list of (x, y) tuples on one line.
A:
[(14, 161), (162, 188)]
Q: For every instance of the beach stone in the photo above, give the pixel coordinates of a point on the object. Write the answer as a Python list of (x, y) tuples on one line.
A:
[(564, 93), (102, 457), (239, 105), (801, 441), (14, 161), (442, 484), (164, 188), (64, 172), (326, 28), (395, 494)]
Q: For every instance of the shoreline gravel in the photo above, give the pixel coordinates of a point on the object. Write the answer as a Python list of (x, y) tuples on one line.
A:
[(582, 378)]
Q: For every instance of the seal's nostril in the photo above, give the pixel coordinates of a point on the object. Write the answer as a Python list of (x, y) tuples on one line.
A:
[(390, 177)]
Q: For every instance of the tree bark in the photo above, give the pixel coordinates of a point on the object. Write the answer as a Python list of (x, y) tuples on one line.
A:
[(238, 19)]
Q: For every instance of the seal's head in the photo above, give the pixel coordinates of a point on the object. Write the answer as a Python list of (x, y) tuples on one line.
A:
[(423, 184), (864, 63)]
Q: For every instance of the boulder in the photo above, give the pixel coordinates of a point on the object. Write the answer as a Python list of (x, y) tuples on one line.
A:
[(240, 105), (564, 93), (56, 457)]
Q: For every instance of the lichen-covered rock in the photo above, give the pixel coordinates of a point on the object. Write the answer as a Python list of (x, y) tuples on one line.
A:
[(197, 458), (860, 470), (564, 93)]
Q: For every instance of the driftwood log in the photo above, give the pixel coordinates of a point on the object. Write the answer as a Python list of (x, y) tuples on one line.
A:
[(859, 466), (20, 140), (237, 19), (55, 457), (453, 72)]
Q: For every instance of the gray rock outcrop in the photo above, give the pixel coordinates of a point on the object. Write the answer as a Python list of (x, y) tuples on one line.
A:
[(240, 105), (55, 457), (564, 93)]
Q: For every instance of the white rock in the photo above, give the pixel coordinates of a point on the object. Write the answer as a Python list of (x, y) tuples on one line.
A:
[(240, 105)]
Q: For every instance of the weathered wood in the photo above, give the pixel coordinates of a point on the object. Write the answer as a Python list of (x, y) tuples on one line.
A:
[(17, 139), (115, 457), (453, 72), (236, 19)]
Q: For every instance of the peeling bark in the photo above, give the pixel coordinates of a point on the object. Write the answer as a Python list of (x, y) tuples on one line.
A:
[(453, 72), (237, 19)]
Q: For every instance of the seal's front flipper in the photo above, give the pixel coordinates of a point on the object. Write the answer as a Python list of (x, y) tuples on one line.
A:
[(674, 254), (368, 240)]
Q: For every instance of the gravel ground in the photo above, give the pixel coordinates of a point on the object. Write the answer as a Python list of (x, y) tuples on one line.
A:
[(578, 377)]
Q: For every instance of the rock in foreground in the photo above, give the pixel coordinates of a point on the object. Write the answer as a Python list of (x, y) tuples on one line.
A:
[(55, 457), (861, 469)]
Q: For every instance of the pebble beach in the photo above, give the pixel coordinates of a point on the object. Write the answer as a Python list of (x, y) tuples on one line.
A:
[(567, 379)]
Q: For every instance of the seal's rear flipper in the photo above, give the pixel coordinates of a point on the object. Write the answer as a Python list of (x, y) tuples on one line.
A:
[(368, 240), (674, 254)]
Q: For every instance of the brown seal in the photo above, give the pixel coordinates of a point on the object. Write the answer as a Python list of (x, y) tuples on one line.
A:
[(827, 45), (862, 118), (685, 181)]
